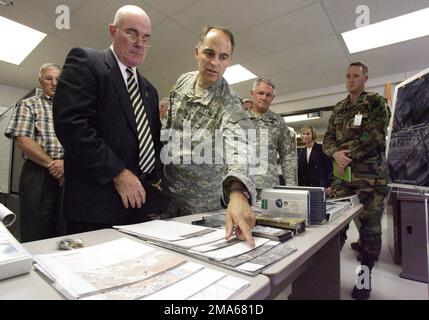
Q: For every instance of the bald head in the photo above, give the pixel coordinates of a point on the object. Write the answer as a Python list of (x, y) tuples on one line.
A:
[(127, 11)]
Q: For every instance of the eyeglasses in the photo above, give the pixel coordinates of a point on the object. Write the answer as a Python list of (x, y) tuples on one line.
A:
[(134, 36)]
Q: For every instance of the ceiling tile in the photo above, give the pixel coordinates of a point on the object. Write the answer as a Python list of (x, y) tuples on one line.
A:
[(38, 15), (343, 13), (170, 7), (290, 41), (156, 16), (311, 77), (397, 58), (301, 55), (307, 24), (237, 15), (173, 69), (169, 40)]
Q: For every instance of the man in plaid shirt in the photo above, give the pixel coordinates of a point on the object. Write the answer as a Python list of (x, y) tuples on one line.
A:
[(42, 176)]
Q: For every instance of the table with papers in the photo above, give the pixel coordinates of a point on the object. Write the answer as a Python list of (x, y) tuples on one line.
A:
[(209, 244), (313, 270), (37, 285)]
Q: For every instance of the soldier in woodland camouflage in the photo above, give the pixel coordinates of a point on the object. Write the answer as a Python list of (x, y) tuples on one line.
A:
[(356, 138), (279, 140), (204, 113)]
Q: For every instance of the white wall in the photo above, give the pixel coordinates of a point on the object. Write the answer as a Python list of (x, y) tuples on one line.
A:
[(8, 97)]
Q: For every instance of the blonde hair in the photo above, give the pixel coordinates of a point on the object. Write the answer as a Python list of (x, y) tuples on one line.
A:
[(313, 132)]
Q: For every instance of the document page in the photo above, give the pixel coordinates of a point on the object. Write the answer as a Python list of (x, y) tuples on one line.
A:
[(149, 286), (278, 252), (164, 230), (234, 250), (201, 240), (116, 263), (189, 286), (223, 289)]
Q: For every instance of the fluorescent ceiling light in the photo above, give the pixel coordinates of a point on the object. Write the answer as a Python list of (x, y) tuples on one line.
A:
[(17, 41), (238, 73), (406, 27), (302, 117)]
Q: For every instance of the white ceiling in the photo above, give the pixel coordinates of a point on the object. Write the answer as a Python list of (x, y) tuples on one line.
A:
[(296, 43)]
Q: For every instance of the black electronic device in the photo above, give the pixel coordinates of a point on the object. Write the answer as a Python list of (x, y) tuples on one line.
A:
[(272, 233)]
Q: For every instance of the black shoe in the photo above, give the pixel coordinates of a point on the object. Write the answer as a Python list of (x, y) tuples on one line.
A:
[(361, 294), (355, 246)]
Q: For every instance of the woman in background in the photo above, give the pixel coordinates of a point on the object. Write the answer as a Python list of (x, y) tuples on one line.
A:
[(314, 167)]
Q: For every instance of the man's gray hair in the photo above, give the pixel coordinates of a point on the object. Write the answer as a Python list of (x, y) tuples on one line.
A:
[(267, 81), (47, 66)]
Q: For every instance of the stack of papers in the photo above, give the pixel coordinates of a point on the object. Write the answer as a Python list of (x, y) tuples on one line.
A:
[(334, 210), (14, 259), (166, 231), (126, 269), (208, 244)]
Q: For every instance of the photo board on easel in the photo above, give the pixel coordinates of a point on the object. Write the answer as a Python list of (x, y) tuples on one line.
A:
[(408, 136)]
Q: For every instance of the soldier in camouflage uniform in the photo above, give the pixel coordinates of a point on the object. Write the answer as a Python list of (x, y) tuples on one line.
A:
[(279, 140), (356, 137), (205, 112)]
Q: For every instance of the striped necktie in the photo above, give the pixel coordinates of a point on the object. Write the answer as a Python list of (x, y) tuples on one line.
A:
[(146, 149)]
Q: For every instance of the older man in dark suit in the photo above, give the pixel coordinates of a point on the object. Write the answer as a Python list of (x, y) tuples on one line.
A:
[(106, 117)]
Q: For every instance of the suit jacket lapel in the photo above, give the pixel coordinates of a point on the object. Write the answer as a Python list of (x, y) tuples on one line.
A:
[(121, 89)]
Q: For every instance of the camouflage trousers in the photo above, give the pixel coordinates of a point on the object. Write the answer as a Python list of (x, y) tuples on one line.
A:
[(371, 193), (175, 209)]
